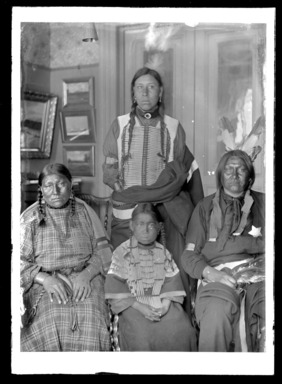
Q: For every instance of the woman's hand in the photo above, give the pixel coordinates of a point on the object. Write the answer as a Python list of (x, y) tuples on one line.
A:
[(213, 275), (150, 313), (81, 286), (55, 287)]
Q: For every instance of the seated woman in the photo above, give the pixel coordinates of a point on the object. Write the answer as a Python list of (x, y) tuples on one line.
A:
[(225, 251), (64, 258), (144, 287)]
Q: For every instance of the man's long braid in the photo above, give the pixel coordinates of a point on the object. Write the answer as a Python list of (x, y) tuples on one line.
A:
[(125, 157), (165, 149)]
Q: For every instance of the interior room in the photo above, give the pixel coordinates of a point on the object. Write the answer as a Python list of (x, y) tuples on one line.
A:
[(75, 79), (72, 74)]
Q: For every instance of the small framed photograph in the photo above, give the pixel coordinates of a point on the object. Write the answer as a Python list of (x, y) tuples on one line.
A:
[(78, 126), (78, 91), (80, 160)]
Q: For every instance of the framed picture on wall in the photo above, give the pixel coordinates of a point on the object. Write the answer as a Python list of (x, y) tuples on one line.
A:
[(80, 160), (78, 91), (78, 126)]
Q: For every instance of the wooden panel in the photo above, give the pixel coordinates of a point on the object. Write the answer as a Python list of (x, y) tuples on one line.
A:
[(201, 110), (107, 99), (192, 80), (219, 92), (175, 64)]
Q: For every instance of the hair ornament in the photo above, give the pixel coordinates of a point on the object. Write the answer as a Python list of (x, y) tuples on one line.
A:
[(248, 143)]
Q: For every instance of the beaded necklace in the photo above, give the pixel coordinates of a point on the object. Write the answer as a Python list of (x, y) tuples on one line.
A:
[(146, 271), (148, 118), (145, 121)]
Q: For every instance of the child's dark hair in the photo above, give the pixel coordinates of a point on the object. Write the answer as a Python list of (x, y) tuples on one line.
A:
[(147, 208)]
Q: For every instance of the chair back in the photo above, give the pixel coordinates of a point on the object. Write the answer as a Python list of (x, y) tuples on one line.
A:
[(101, 205)]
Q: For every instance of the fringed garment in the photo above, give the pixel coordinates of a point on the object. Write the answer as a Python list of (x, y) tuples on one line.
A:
[(148, 276), (159, 168), (66, 245), (145, 161)]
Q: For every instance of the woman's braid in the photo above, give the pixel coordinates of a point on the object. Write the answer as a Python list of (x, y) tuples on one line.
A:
[(42, 212), (73, 203)]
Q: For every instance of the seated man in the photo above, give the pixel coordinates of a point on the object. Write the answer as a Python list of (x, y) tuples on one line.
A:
[(226, 234)]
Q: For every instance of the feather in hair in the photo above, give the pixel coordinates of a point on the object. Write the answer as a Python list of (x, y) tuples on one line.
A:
[(248, 143)]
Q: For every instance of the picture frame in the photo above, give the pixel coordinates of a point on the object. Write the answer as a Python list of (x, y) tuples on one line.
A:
[(38, 117), (79, 91), (80, 160), (78, 126)]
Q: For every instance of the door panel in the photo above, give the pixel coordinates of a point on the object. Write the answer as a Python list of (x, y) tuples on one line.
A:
[(228, 83), (207, 74), (174, 60)]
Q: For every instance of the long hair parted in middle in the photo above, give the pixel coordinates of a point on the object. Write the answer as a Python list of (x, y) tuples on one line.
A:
[(241, 155), (151, 210), (148, 71), (147, 208), (165, 149), (52, 169)]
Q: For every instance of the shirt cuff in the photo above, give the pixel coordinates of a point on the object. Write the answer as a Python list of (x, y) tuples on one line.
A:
[(118, 306), (198, 270)]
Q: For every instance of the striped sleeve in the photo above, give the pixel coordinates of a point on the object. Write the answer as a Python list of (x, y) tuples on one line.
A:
[(192, 260), (102, 246)]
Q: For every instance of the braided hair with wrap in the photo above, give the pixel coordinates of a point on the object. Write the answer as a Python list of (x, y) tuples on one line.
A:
[(160, 106), (53, 169)]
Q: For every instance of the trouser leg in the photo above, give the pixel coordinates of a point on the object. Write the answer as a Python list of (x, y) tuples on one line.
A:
[(255, 316), (217, 319)]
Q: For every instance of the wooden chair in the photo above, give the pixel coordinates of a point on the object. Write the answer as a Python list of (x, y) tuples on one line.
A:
[(103, 207), (193, 294)]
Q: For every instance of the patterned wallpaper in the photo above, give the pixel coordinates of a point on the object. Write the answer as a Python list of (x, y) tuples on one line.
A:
[(57, 45)]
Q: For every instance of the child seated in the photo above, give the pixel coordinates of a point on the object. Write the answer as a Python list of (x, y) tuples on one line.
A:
[(144, 287)]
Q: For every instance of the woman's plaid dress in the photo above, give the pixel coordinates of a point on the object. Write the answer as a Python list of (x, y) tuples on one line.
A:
[(65, 244)]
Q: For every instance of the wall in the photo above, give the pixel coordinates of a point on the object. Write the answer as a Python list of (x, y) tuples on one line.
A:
[(35, 78), (51, 52), (51, 81), (110, 70), (56, 84)]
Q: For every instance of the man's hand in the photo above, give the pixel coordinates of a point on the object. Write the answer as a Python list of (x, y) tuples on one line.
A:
[(211, 274)]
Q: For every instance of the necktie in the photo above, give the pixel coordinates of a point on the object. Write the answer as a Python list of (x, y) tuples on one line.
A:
[(231, 221)]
